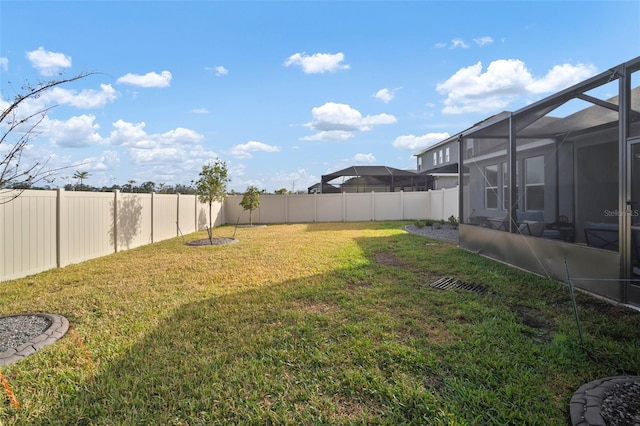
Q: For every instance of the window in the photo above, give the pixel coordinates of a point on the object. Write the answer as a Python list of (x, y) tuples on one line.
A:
[(491, 187), (440, 152), (419, 164), (505, 186), (435, 158), (534, 183), (447, 158), (469, 143)]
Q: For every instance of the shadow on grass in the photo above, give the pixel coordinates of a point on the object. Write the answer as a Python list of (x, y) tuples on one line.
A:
[(367, 344), (301, 352)]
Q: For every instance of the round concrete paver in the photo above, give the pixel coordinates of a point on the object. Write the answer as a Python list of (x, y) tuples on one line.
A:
[(23, 334), (593, 400)]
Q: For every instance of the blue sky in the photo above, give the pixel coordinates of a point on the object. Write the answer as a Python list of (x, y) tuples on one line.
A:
[(285, 91)]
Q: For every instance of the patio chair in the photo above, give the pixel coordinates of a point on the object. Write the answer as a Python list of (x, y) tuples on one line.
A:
[(602, 235)]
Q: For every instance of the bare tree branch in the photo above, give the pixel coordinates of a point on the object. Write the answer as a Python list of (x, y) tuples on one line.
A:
[(14, 173)]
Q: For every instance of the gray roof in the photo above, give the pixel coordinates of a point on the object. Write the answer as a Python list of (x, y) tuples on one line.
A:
[(530, 121), (368, 171)]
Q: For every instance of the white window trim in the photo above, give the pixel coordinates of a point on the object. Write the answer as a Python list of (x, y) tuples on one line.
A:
[(487, 188), (528, 185)]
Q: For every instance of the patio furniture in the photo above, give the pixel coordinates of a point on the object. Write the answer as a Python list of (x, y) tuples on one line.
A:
[(561, 229), (601, 235)]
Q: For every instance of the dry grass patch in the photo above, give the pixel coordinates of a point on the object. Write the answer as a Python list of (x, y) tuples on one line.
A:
[(306, 324)]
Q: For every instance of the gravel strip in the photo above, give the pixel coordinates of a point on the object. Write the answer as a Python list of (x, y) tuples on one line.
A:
[(215, 242), (18, 329), (445, 233)]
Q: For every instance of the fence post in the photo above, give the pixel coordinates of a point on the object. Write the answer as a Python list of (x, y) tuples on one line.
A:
[(286, 208), (116, 199), (152, 216), (402, 205), (315, 207), (59, 207), (373, 206), (178, 214)]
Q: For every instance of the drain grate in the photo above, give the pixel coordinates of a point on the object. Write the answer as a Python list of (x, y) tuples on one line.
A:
[(450, 283)]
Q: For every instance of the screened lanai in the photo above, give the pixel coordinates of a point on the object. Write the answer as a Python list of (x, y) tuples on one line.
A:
[(374, 178), (554, 187)]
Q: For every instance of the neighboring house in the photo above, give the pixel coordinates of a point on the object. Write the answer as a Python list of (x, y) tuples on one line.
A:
[(554, 188), (371, 178), (439, 164), (326, 189)]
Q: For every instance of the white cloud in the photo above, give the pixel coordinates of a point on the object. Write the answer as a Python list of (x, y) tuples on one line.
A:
[(4, 63), (48, 63), (200, 111), (87, 98), (130, 134), (386, 95), (77, 131), (483, 41), (198, 152), (331, 135), (244, 150), (364, 158), (318, 62), (336, 121), (134, 135), (150, 79), (298, 180), (560, 77), (220, 70), (108, 160), (166, 155), (457, 42), (418, 143), (179, 136), (472, 90), (440, 45)]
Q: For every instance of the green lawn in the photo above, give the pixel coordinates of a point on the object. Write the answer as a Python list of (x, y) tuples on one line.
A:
[(307, 324)]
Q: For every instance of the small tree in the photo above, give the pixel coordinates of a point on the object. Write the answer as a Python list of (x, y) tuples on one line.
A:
[(251, 201), (212, 186), (81, 176), (281, 191)]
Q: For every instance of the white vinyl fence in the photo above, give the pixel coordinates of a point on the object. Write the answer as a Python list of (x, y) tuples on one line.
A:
[(42, 230)]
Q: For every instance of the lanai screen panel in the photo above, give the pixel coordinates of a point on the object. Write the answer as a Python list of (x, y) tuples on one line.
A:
[(483, 181)]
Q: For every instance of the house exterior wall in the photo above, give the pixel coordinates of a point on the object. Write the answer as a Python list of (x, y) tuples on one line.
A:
[(572, 180), (425, 161), (444, 182)]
